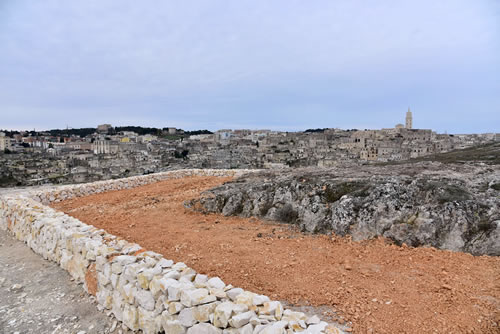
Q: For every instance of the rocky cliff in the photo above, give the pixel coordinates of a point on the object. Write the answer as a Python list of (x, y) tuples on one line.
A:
[(452, 206)]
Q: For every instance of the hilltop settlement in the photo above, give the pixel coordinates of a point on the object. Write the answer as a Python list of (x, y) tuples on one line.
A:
[(107, 152)]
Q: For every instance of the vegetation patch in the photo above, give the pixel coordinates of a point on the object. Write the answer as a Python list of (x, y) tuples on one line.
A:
[(334, 192), (264, 209), (7, 180), (287, 214), (452, 193), (485, 225), (486, 153)]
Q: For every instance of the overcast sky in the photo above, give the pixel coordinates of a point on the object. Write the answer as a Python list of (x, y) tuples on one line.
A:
[(270, 64)]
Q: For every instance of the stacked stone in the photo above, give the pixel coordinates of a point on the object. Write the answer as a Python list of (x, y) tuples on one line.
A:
[(141, 288), (61, 193)]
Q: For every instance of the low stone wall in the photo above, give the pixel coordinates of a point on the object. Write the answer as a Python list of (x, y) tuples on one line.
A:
[(61, 193), (141, 288)]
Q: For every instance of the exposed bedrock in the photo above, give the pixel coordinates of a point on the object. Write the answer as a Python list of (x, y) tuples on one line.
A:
[(453, 207)]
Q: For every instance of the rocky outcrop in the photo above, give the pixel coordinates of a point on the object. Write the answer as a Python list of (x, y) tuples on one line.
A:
[(454, 207), (141, 288)]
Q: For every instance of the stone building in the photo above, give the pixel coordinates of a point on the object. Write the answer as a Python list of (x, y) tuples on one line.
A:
[(105, 146), (104, 128), (409, 119), (4, 142)]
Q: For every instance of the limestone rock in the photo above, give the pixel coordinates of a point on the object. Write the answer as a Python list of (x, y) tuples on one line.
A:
[(16, 288), (131, 317), (241, 319), (145, 299), (128, 293), (144, 278), (202, 312), (275, 328), (216, 282), (245, 298), (297, 326), (164, 263), (117, 305), (204, 329), (219, 293), (195, 297), (175, 289), (330, 329), (149, 322), (174, 307), (104, 298), (172, 274), (289, 315), (234, 293), (186, 317), (223, 313), (247, 329), (260, 299), (313, 320), (200, 279), (317, 329), (273, 308), (173, 327)]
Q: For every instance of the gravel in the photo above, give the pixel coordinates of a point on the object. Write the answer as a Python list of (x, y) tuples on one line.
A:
[(37, 296)]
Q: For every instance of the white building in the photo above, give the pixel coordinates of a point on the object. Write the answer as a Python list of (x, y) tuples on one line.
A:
[(105, 146), (4, 142)]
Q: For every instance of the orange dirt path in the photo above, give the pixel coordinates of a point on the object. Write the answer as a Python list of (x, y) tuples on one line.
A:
[(380, 287)]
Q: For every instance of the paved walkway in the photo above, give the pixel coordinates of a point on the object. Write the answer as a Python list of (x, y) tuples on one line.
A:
[(37, 296)]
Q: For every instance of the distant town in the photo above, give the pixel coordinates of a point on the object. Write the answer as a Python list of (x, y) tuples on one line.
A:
[(107, 152)]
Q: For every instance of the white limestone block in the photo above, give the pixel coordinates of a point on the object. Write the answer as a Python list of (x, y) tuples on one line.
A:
[(129, 292), (186, 317), (317, 328), (173, 327), (179, 266), (145, 299), (241, 319), (149, 322), (118, 304), (203, 312), (223, 313), (234, 293), (172, 274), (174, 307), (104, 298), (275, 328), (313, 320), (260, 299), (131, 317), (219, 293), (164, 263), (196, 297), (290, 315), (204, 328), (273, 308), (216, 282), (200, 279), (245, 298)]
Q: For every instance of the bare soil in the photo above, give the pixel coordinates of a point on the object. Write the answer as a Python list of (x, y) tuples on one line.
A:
[(45, 299), (380, 287)]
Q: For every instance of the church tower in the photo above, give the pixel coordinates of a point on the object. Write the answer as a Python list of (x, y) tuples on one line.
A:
[(409, 119)]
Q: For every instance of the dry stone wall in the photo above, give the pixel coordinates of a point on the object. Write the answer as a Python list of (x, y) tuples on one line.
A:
[(141, 288)]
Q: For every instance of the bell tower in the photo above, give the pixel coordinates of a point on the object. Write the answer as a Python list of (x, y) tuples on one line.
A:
[(409, 119)]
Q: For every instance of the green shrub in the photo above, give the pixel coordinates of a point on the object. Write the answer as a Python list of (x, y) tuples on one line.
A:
[(452, 193), (287, 214), (264, 209), (335, 192)]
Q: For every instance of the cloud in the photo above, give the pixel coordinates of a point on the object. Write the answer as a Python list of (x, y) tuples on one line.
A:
[(250, 63)]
